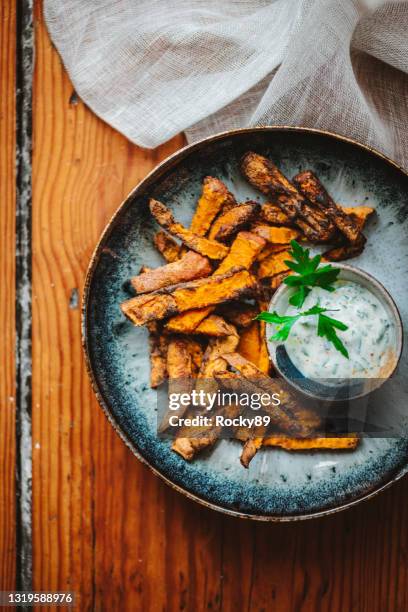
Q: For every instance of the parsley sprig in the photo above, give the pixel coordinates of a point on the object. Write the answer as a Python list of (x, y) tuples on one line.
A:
[(308, 274), (326, 326)]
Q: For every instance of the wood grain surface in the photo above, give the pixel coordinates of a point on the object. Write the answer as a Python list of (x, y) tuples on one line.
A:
[(7, 296), (103, 525)]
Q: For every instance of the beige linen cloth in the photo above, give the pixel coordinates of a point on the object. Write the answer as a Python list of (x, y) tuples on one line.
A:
[(153, 68)]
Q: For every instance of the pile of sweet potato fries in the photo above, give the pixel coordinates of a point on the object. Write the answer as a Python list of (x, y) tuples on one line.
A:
[(200, 306)]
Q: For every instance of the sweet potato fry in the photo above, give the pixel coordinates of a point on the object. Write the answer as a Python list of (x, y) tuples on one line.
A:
[(309, 184), (238, 313), (214, 326), (266, 177), (283, 415), (189, 267), (188, 447), (158, 343), (273, 214), (188, 443), (179, 361), (271, 249), (273, 265), (275, 281), (230, 222), (196, 351), (207, 248), (187, 322), (264, 362), (186, 296), (276, 235), (252, 440), (180, 371), (249, 342), (167, 246), (308, 444), (235, 283), (214, 197), (252, 346), (360, 213), (214, 356), (251, 447), (345, 251), (244, 250)]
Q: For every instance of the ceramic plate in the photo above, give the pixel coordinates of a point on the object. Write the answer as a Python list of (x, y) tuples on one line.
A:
[(278, 485)]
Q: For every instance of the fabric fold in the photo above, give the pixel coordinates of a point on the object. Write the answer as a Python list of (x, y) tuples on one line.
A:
[(154, 68)]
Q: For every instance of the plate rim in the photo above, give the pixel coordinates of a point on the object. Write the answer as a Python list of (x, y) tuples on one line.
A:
[(164, 165)]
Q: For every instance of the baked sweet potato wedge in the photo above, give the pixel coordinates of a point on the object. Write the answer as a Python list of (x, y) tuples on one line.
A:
[(284, 416), (180, 371), (214, 326), (275, 235), (190, 442), (158, 343), (360, 213), (277, 280), (249, 342), (309, 184), (229, 223), (189, 267), (196, 351), (274, 264), (265, 176), (186, 296), (272, 213), (252, 346), (271, 249), (214, 197), (179, 359), (207, 248), (214, 356), (244, 250), (239, 314), (249, 450), (345, 251), (187, 322), (167, 246), (264, 362), (308, 444)]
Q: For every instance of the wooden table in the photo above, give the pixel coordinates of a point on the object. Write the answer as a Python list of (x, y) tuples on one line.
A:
[(102, 525)]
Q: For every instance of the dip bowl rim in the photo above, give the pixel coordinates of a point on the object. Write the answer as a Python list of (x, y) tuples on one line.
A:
[(385, 297)]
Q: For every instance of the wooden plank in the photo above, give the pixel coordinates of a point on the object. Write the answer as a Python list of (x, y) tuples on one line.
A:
[(103, 526), (7, 296)]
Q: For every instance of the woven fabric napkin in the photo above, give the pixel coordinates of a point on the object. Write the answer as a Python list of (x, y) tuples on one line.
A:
[(153, 68)]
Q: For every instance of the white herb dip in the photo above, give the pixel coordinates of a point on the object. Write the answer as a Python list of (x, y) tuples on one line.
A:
[(369, 339)]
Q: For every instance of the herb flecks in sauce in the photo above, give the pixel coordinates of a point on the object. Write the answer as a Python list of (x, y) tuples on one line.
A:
[(326, 326), (368, 338), (312, 337)]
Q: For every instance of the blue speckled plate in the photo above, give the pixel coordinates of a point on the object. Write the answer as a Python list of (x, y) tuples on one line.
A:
[(278, 485)]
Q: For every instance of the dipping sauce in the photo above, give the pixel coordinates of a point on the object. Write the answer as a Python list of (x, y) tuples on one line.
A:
[(369, 339)]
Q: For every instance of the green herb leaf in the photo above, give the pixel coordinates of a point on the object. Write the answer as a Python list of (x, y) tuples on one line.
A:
[(308, 274), (283, 323), (326, 328), (298, 298)]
